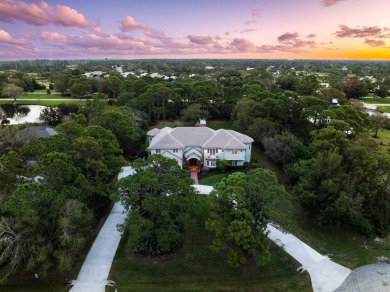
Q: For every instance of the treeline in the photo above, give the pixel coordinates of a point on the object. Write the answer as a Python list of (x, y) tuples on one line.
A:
[(54, 189)]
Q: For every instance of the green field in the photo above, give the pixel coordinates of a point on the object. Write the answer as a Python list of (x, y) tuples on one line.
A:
[(43, 102), (383, 109), (212, 179), (376, 100)]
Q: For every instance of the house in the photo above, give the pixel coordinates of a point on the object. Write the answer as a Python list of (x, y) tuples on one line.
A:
[(35, 132), (195, 147)]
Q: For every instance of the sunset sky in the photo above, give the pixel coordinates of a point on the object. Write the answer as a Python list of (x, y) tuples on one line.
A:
[(131, 29)]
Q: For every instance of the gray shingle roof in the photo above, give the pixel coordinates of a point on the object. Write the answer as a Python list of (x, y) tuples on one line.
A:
[(219, 140), (166, 142), (179, 138), (153, 132), (241, 137), (234, 144), (38, 131), (192, 136)]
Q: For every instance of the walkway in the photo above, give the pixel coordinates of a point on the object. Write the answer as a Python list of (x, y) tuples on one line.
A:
[(325, 274), (93, 275), (194, 176)]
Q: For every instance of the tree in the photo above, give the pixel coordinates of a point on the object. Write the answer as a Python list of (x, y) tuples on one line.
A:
[(330, 139), (244, 114), (377, 121), (241, 207), (159, 196), (353, 87), (194, 112), (284, 148), (263, 128), (80, 88), (51, 115), (12, 91), (41, 230), (123, 125)]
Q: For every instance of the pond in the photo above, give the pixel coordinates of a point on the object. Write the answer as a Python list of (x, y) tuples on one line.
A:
[(20, 114)]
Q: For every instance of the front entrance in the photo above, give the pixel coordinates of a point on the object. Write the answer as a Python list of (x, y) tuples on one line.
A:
[(193, 164)]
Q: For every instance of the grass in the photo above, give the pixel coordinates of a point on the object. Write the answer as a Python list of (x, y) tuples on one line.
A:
[(383, 109), (212, 179), (43, 102), (42, 95), (195, 268), (376, 100)]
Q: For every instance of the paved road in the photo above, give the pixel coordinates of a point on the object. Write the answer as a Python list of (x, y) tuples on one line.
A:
[(51, 99)]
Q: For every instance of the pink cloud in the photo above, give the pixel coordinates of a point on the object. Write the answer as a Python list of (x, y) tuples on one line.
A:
[(6, 38), (242, 45), (200, 40), (294, 40), (41, 13), (255, 12), (287, 37), (129, 24), (248, 30), (347, 32), (250, 22), (311, 36), (374, 43), (11, 47), (331, 2)]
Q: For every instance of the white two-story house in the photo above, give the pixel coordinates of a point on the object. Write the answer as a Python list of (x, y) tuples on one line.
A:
[(196, 146)]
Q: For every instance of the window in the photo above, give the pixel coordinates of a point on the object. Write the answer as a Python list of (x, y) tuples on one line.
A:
[(158, 151), (175, 150), (234, 151), (249, 147), (211, 163), (233, 162), (211, 151)]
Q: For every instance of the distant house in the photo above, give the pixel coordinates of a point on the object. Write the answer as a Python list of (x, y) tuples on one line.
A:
[(35, 132), (197, 146)]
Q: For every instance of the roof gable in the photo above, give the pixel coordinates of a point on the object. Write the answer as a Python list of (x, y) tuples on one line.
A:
[(166, 142), (218, 140), (241, 137)]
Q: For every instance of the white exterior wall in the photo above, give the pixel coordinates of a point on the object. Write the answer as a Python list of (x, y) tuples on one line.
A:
[(177, 156), (248, 153), (239, 156)]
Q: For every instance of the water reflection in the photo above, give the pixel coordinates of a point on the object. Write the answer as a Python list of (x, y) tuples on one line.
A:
[(20, 114)]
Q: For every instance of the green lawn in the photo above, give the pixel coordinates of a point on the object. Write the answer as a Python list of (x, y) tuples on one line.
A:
[(195, 268), (383, 109), (220, 124), (212, 179), (43, 102), (41, 95), (376, 100)]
